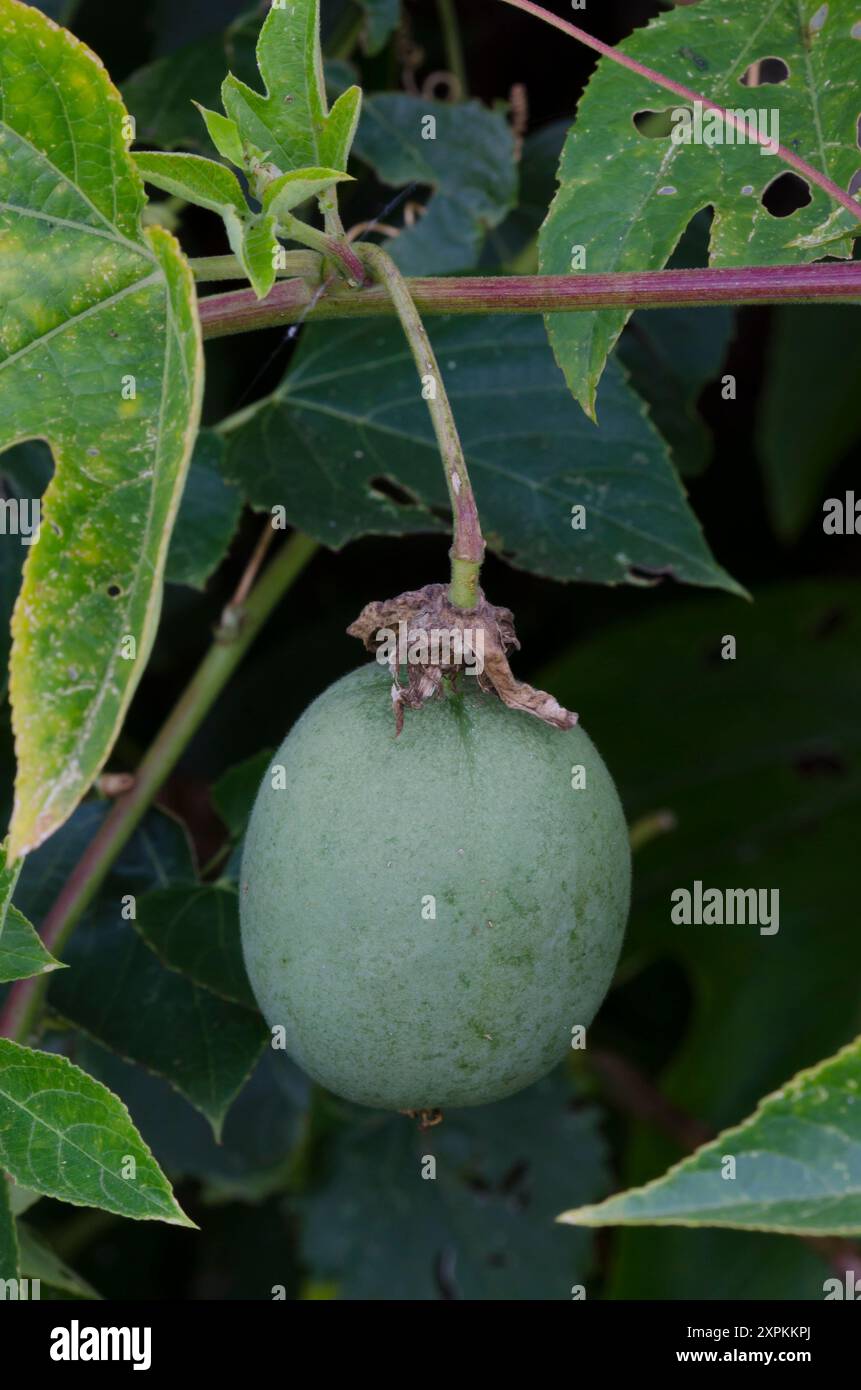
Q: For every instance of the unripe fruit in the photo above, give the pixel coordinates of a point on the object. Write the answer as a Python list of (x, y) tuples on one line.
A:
[(429, 916)]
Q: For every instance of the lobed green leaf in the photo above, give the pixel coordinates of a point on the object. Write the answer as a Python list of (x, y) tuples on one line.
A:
[(627, 197), (321, 442), (291, 125)]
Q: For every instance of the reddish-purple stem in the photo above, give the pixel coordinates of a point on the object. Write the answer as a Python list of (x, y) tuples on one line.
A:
[(239, 311)]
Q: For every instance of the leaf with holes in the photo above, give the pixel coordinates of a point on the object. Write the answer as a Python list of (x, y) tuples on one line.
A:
[(64, 1135), (474, 180), (291, 126), (626, 194), (104, 362), (484, 1228), (797, 1166), (331, 447)]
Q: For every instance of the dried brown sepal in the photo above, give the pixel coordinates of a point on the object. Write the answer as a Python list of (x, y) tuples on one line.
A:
[(422, 618)]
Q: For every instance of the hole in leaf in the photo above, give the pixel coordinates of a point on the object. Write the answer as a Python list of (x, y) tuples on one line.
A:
[(855, 31), (114, 591), (478, 1183), (786, 194), (820, 764), (668, 188), (393, 491), (833, 620), (445, 1274), (855, 183), (513, 1184), (647, 578), (655, 125), (817, 21), (765, 72)]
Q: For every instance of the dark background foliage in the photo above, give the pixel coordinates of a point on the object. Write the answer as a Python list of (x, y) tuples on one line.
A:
[(758, 761)]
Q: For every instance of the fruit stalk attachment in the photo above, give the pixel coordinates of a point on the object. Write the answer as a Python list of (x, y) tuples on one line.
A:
[(441, 631)]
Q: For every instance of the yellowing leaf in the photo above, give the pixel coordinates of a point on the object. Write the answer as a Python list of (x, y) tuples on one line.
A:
[(100, 355)]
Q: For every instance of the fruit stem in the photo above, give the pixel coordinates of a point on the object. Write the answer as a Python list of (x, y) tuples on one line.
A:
[(467, 551), (240, 624)]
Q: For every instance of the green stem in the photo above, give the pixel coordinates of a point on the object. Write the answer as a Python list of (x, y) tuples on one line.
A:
[(454, 58), (240, 625), (467, 551), (302, 264)]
